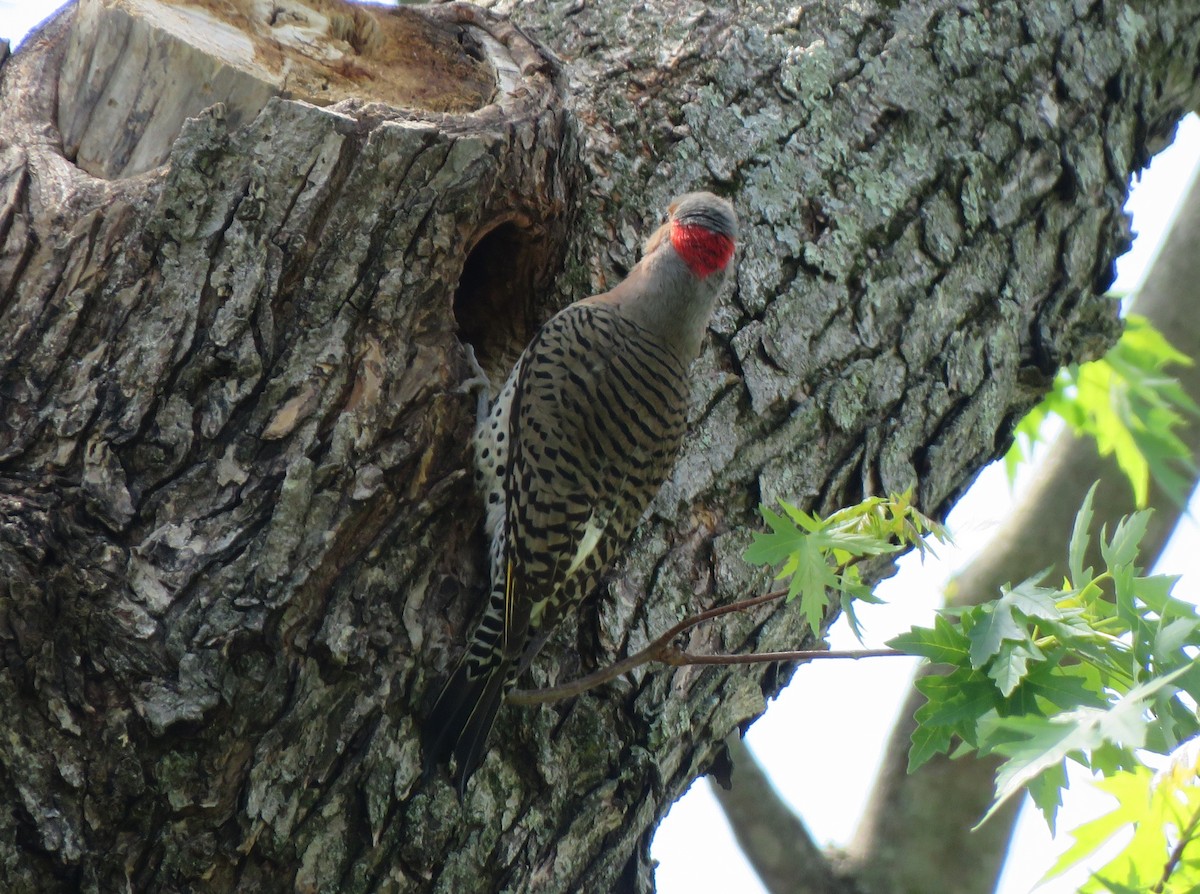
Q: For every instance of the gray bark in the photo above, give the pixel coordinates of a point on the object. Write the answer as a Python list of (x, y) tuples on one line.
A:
[(238, 543)]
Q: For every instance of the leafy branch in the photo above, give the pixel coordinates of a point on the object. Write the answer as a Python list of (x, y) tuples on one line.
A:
[(1098, 671), (820, 556)]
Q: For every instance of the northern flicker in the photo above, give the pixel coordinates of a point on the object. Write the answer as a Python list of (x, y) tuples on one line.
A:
[(579, 441)]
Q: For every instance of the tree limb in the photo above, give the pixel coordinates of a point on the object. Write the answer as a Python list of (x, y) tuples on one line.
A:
[(656, 651), (773, 838)]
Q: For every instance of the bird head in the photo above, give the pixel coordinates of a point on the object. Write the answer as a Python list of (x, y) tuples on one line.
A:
[(703, 230), (686, 264)]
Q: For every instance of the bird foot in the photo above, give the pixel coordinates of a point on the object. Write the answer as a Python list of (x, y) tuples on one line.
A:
[(479, 383)]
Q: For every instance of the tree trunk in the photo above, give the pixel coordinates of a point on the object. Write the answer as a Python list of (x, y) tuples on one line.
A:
[(238, 543)]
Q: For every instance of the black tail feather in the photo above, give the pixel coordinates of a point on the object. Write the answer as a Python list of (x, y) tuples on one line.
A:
[(461, 720)]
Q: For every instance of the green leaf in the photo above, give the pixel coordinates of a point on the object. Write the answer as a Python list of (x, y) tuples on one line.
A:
[(943, 644), (997, 624), (1132, 791), (1005, 619), (1080, 536), (1147, 347), (1122, 549), (1107, 759), (1060, 689), (927, 741), (954, 704), (956, 700), (1155, 593), (1012, 664), (816, 556), (774, 548), (1163, 811), (1033, 601), (1172, 637), (1045, 790), (1131, 409), (811, 577), (808, 521), (1035, 744)]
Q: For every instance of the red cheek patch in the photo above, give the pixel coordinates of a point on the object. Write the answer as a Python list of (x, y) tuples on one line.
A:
[(703, 250)]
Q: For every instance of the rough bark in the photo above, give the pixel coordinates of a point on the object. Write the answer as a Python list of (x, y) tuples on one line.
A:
[(238, 543)]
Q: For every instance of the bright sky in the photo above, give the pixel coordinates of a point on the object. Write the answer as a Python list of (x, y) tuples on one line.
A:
[(18, 16), (821, 740)]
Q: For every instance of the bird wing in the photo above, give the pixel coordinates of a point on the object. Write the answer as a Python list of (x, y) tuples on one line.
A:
[(597, 418)]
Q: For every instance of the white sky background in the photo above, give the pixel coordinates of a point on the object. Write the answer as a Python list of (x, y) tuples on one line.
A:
[(18, 16), (822, 740)]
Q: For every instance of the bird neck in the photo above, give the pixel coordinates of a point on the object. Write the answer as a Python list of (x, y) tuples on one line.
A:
[(663, 295)]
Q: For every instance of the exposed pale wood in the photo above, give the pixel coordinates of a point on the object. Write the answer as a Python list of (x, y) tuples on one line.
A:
[(136, 69)]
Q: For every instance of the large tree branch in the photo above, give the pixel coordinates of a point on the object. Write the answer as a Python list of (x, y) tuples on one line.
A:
[(915, 834), (916, 831)]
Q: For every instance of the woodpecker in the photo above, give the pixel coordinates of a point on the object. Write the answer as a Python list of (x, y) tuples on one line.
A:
[(580, 439)]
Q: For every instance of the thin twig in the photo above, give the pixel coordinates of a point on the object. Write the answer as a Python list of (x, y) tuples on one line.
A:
[(740, 606), (652, 652), (663, 649), (1185, 838), (677, 658)]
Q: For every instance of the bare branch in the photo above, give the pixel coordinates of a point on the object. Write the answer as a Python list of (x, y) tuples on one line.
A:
[(653, 652), (679, 659), (663, 650)]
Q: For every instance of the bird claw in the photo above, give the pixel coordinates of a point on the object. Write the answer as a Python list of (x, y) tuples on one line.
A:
[(478, 383)]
